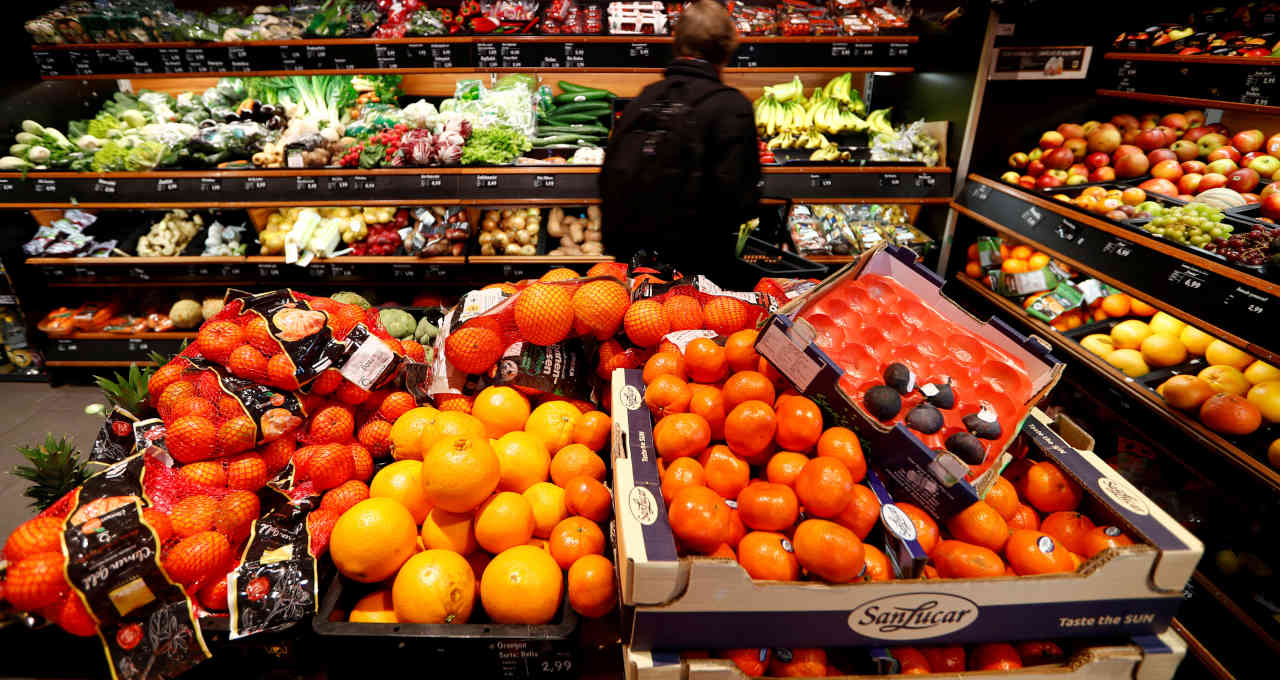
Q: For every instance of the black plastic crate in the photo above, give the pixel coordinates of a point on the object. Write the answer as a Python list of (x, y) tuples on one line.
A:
[(770, 260)]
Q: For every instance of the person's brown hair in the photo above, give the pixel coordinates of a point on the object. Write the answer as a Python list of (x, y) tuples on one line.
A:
[(705, 31)]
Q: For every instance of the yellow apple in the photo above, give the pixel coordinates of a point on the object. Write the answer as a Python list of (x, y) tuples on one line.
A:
[(1266, 396), (1225, 379), (1162, 350), (1220, 353), (1164, 323), (1130, 334), (1099, 344), (1129, 361), (1260, 372), (1195, 340)]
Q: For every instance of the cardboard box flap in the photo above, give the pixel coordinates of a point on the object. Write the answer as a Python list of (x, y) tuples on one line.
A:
[(1179, 549), (1160, 655)]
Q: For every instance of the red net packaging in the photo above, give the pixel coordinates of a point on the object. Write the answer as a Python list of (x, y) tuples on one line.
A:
[(785, 290), (700, 304)]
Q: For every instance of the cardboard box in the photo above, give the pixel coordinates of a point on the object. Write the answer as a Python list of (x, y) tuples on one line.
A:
[(1148, 657), (912, 470), (699, 602)]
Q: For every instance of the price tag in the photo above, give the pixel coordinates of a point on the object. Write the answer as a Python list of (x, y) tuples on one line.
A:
[(1068, 230), (925, 180), (890, 181), (899, 50), (210, 185), (821, 181), (85, 272), (511, 55), (306, 183), (81, 62), (238, 58), (55, 272), (339, 183), (385, 56), (1118, 248), (487, 55), (364, 183), (46, 62), (104, 186), (255, 183), (1032, 216), (316, 55), (575, 55), (840, 50), (139, 274), (342, 271), (434, 272), (441, 55), (979, 192), (343, 63), (166, 184), (402, 272), (864, 51), (639, 50), (67, 346), (317, 270), (1188, 276), (231, 271), (5, 185), (137, 345), (430, 181), (486, 181), (1260, 86), (1250, 303), (268, 270), (195, 60), (291, 58), (141, 61), (544, 181), (171, 60), (747, 56), (46, 186)]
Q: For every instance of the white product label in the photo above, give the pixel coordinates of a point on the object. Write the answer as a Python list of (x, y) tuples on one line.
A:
[(368, 363), (682, 339), (896, 521)]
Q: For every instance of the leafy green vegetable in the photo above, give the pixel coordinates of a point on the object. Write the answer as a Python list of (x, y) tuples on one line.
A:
[(386, 88), (102, 125), (498, 145), (133, 155)]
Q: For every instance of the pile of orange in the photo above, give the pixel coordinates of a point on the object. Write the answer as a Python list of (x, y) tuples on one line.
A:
[(813, 662), (497, 510), (1017, 259), (750, 472)]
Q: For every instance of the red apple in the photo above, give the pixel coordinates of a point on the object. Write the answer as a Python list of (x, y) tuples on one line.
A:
[(1059, 159), (1035, 153), (1070, 131), (1124, 120), (1194, 166), (1130, 135), (1272, 188), (1011, 177), (1036, 168), (1246, 159), (1248, 140), (1162, 155), (1271, 206), (1212, 180), (1104, 138), (1131, 165), (1185, 150), (1089, 126), (1195, 133), (1167, 170), (1027, 182), (1060, 174), (1105, 173), (1124, 150), (1195, 118), (1019, 160), (1078, 169), (1051, 139), (1159, 186), (1189, 182), (1251, 198), (1047, 181), (1243, 180), (1073, 179), (1177, 121), (1223, 166), (1229, 152), (1148, 121), (1077, 146), (1219, 128), (1273, 145), (1097, 159), (1170, 135)]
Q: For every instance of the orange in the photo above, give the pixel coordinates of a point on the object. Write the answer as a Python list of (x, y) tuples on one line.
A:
[(996, 656), (1021, 252), (376, 607), (501, 410), (767, 557), (553, 423), (522, 585), (1140, 308), (699, 517), (460, 472), (504, 521), (911, 661), (1116, 304), (1037, 261), (1230, 414), (444, 530), (680, 435), (667, 394), (1101, 538), (979, 524), (841, 443), (592, 430), (1185, 391), (736, 528), (1037, 652), (926, 528), (1024, 517), (708, 402), (945, 658), (706, 362), (681, 473), (724, 552), (548, 505), (371, 540), (593, 591), (645, 323), (599, 307), (522, 461), (544, 313), (1033, 552), (663, 363), (454, 402), (802, 663), (749, 430), (1002, 497), (958, 559), (971, 253), (725, 315), (767, 370), (1069, 528), (862, 513), (406, 432), (682, 312), (573, 538), (740, 351), (1012, 266), (824, 487), (784, 467), (1047, 489), (745, 386), (973, 270), (473, 349), (401, 481), (435, 586), (726, 473), (752, 661), (445, 424), (589, 498), (575, 460), (878, 568), (559, 274), (767, 506), (829, 551), (799, 424)]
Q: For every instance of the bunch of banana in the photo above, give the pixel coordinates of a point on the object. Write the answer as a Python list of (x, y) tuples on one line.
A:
[(841, 89), (830, 116), (774, 117), (830, 152), (878, 122), (809, 139)]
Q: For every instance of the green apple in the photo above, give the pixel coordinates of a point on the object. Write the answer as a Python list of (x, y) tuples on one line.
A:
[(1265, 165)]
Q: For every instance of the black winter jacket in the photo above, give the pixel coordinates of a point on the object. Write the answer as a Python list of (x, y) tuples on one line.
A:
[(730, 191)]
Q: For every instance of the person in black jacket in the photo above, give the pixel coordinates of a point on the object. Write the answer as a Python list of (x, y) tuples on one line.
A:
[(682, 169)]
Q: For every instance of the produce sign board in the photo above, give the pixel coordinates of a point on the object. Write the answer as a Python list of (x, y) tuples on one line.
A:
[(892, 182), (1248, 311), (425, 54), (697, 602), (1254, 82), (124, 349)]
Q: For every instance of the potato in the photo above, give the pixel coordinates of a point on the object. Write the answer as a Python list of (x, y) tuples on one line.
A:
[(554, 226), (593, 236), (593, 248), (576, 232)]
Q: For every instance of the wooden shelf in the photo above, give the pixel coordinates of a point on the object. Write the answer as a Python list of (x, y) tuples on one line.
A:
[(115, 261), (1190, 101), (539, 259), (831, 259), (1191, 59), (96, 364), (1188, 426), (1236, 611), (159, 335), (1202, 653)]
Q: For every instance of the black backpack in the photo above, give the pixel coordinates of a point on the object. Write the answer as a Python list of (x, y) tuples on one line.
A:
[(652, 174)]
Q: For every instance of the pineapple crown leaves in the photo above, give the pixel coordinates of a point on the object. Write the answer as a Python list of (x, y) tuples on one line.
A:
[(56, 468), (128, 391)]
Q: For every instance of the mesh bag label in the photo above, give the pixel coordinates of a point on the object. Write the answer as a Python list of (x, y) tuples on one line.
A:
[(276, 583)]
